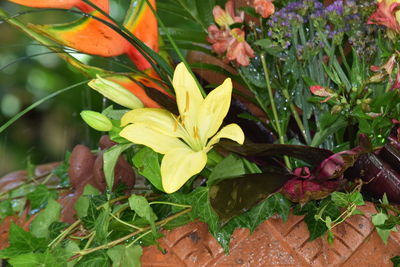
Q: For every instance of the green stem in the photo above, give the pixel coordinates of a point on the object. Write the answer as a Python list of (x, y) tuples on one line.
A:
[(64, 233), (125, 223), (124, 238), (170, 203), (296, 116), (273, 106)]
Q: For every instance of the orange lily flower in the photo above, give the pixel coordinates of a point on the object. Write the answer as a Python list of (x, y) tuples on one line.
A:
[(91, 36), (67, 4)]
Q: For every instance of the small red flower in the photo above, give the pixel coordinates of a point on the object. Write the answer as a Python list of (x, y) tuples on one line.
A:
[(219, 39), (322, 91), (264, 7), (239, 49), (387, 67)]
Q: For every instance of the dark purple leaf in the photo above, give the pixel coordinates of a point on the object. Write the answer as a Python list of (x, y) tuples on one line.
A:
[(308, 154), (233, 196)]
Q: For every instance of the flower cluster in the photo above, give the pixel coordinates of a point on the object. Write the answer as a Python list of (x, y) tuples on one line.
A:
[(232, 41)]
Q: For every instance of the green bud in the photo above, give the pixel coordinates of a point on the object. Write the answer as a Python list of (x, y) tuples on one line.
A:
[(116, 93), (97, 120)]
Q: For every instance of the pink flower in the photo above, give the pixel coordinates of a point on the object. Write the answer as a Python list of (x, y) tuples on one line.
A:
[(219, 39), (396, 84), (224, 18), (264, 7), (239, 49), (322, 91), (388, 66), (385, 15)]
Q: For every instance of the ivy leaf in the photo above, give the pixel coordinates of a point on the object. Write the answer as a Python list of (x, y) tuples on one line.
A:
[(229, 167), (94, 259), (396, 261), (317, 227), (141, 206), (40, 225), (122, 256), (55, 229), (82, 204), (62, 171), (5, 209), (93, 213), (110, 160), (378, 220), (39, 197), (22, 242), (35, 259), (147, 163)]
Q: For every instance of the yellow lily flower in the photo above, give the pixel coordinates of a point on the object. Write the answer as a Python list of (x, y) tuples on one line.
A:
[(186, 139)]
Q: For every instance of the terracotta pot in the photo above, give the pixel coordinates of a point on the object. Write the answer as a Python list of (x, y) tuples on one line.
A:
[(277, 243)]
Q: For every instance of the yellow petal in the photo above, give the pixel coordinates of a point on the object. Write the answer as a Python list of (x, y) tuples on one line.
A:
[(157, 119), (231, 131), (139, 133), (179, 165), (214, 109), (188, 96)]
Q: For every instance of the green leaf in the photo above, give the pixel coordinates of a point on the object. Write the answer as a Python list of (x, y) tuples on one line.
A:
[(56, 228), (147, 164), (141, 206), (92, 213), (357, 198), (114, 114), (5, 209), (61, 171), (233, 196), (396, 261), (315, 226), (101, 225), (379, 219), (22, 242), (229, 167), (268, 46), (40, 225), (94, 259), (40, 196), (255, 76), (329, 124), (110, 160), (340, 199), (35, 259), (82, 204), (123, 256)]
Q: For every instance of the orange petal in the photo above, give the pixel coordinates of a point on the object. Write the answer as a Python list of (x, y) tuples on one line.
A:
[(67, 4), (141, 21), (87, 35)]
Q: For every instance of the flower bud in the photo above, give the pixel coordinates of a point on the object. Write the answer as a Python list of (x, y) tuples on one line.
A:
[(115, 93), (97, 120), (336, 109)]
